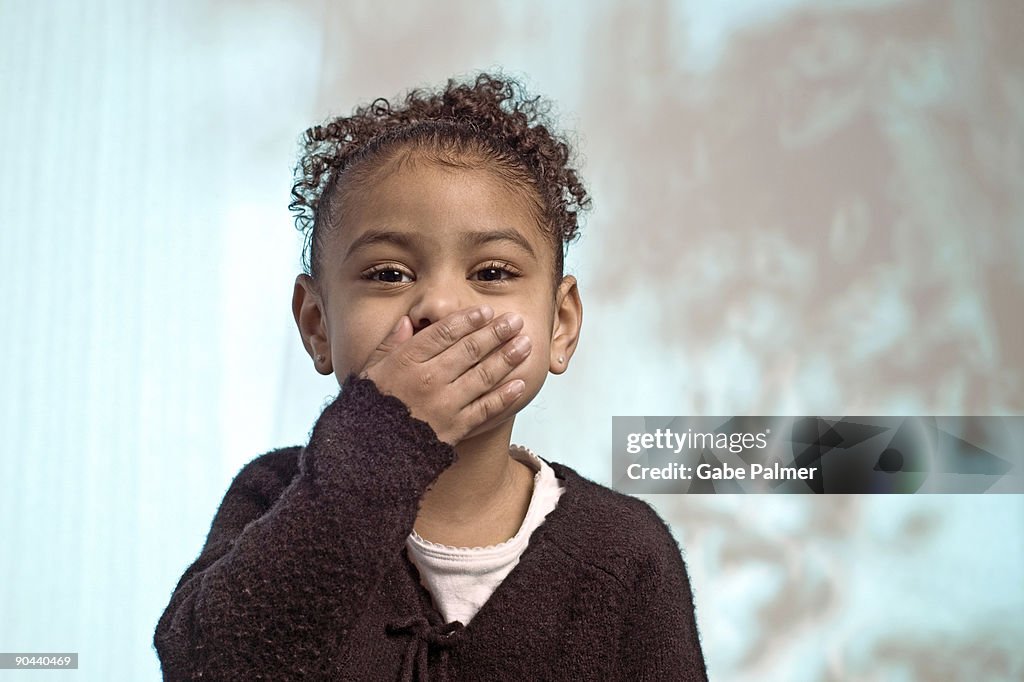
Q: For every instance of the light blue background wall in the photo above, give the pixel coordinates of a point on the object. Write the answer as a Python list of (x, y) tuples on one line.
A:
[(800, 208)]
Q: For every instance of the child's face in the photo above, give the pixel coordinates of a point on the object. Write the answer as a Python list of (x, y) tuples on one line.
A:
[(426, 241)]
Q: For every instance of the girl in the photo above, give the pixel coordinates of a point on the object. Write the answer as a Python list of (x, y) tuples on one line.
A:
[(408, 539)]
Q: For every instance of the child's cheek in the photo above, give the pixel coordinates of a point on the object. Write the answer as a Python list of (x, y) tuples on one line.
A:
[(534, 368)]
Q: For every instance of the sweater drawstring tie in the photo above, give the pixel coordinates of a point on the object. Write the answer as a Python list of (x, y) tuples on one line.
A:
[(439, 635)]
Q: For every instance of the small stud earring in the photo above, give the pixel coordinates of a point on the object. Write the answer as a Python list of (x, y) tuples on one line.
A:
[(319, 358), (561, 359)]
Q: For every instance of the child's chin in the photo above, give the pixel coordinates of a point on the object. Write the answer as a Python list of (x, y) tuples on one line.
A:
[(505, 419), (490, 426)]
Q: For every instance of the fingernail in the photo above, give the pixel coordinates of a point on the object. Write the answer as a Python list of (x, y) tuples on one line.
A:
[(515, 322), (398, 325), (516, 387), (481, 314), (521, 346)]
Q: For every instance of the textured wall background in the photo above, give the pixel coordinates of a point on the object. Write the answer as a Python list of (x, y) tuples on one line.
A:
[(800, 208)]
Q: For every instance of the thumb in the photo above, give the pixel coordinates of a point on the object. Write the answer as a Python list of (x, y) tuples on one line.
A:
[(399, 334)]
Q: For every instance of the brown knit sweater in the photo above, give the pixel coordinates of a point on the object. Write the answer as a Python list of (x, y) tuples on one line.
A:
[(304, 574)]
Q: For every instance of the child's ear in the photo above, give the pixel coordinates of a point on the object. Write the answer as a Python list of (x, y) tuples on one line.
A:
[(566, 323), (312, 323)]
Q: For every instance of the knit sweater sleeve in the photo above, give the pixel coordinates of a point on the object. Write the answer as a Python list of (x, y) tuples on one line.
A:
[(659, 638), (285, 574)]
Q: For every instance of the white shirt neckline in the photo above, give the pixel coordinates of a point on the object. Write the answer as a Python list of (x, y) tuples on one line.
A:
[(461, 579), (543, 480)]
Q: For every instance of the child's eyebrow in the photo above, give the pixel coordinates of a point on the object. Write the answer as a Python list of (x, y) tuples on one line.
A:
[(406, 240), (371, 237), (488, 236)]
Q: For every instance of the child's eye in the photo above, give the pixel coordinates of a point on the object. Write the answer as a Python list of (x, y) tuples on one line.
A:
[(496, 272), (388, 274)]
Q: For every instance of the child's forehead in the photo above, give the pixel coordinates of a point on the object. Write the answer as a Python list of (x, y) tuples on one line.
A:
[(427, 201), (414, 174)]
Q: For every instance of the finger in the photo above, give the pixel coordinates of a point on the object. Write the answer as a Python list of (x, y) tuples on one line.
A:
[(492, 370), (399, 334), (493, 404), (440, 336), (474, 347)]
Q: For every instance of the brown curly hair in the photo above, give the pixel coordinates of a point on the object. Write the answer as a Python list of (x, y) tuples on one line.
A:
[(488, 123)]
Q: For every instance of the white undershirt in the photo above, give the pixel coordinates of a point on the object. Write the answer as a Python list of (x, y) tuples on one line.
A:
[(461, 579)]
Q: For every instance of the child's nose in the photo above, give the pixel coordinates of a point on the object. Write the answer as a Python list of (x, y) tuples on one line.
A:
[(435, 301)]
